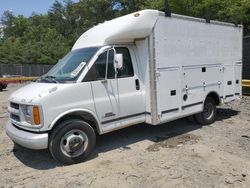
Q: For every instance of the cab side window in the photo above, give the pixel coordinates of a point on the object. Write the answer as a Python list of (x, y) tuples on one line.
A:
[(99, 69), (127, 69)]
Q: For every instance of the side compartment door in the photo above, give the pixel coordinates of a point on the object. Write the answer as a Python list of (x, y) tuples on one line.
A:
[(104, 88), (169, 85), (229, 83), (238, 78), (192, 89)]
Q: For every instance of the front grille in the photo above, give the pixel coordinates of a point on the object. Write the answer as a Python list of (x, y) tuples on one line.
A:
[(15, 117), (14, 105)]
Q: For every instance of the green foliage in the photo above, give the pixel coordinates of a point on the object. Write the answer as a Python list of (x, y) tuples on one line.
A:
[(237, 12), (44, 39)]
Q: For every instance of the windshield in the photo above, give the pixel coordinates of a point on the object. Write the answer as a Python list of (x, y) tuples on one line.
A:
[(70, 67)]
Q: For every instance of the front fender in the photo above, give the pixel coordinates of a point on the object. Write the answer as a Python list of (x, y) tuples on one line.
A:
[(72, 111)]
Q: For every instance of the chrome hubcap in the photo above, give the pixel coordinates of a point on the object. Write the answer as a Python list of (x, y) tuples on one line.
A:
[(74, 143)]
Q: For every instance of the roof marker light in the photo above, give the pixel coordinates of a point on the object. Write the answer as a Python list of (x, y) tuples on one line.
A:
[(137, 14)]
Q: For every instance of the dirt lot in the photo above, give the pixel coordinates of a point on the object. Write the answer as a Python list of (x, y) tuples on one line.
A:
[(177, 154)]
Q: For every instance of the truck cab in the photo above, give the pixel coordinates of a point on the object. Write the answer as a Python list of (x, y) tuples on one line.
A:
[(94, 86)]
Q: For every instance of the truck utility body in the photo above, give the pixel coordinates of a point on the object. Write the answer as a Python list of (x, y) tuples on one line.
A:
[(139, 68)]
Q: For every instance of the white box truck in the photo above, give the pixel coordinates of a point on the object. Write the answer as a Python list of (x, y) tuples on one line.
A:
[(140, 68)]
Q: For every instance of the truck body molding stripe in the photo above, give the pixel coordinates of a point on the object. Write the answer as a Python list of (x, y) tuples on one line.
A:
[(148, 113), (171, 110), (227, 96), (191, 105), (125, 117)]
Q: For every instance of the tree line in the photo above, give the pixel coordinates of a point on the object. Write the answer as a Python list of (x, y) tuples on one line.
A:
[(45, 38)]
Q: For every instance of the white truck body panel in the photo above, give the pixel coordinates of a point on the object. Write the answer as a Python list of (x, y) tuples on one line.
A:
[(120, 30), (183, 47)]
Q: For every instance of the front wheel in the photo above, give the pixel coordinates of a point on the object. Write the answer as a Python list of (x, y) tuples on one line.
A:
[(72, 141), (208, 115)]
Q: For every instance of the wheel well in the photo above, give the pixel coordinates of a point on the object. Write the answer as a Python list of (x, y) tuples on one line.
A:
[(214, 96), (82, 116)]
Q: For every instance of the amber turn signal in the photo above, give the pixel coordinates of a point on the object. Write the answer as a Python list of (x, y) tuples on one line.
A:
[(36, 115)]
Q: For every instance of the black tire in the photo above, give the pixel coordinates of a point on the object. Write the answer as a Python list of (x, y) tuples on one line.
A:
[(5, 86), (1, 87), (208, 115), (58, 139)]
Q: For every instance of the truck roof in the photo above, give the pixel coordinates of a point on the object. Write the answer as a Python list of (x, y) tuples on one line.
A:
[(127, 28)]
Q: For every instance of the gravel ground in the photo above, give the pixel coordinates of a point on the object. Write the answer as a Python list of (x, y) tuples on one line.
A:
[(176, 154)]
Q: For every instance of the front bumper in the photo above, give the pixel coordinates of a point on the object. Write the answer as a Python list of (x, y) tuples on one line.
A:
[(29, 140)]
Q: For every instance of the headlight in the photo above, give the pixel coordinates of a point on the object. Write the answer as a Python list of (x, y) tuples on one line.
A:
[(31, 114)]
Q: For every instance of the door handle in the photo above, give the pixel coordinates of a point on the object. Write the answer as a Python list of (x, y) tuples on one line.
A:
[(137, 84)]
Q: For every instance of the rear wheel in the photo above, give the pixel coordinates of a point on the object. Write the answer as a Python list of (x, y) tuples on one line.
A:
[(208, 115), (72, 141), (1, 87)]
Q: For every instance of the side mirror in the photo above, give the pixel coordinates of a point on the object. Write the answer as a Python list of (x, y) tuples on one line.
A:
[(118, 61)]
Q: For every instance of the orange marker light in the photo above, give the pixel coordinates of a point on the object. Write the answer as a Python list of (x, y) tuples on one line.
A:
[(36, 115)]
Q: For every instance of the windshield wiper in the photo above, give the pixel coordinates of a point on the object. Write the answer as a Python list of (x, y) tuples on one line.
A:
[(50, 79)]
